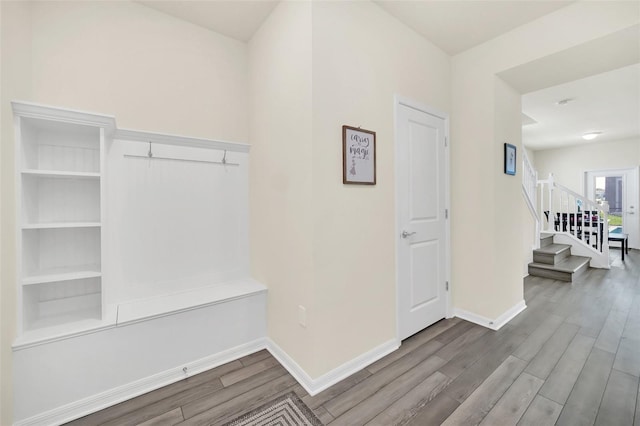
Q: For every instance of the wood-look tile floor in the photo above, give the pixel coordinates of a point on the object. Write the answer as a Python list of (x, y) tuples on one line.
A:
[(571, 358)]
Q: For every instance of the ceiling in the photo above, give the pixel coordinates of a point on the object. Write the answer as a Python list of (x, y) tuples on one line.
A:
[(238, 19), (454, 25), (607, 103)]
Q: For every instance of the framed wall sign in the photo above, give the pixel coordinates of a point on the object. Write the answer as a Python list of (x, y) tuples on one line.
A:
[(509, 159), (358, 156)]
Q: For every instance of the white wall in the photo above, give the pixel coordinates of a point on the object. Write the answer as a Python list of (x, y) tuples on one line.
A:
[(480, 191), (152, 71), (528, 225), (569, 164), (361, 57)]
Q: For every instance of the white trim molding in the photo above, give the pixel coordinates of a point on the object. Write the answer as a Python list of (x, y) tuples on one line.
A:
[(141, 136), (493, 324), (117, 395), (315, 386), (33, 110)]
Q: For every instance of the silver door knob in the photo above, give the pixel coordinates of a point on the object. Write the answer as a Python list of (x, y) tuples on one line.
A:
[(406, 234)]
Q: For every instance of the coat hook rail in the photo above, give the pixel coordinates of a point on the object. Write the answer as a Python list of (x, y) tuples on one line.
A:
[(154, 157)]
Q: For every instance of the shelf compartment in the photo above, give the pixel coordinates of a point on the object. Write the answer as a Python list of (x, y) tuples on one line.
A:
[(50, 145), (62, 302), (53, 248), (48, 199), (62, 274)]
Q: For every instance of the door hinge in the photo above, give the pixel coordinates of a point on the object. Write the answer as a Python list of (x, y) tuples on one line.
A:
[(446, 213), (447, 285), (446, 141)]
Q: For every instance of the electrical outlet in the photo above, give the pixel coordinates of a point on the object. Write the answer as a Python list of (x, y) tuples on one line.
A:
[(302, 316)]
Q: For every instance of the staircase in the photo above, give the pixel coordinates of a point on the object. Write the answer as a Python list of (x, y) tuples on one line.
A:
[(555, 261)]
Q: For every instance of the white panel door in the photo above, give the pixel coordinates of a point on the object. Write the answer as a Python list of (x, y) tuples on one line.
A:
[(422, 226)]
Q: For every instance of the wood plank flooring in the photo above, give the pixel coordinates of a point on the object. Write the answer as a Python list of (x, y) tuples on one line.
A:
[(571, 358)]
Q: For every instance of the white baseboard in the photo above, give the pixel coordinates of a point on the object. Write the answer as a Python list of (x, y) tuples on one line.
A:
[(315, 386), (493, 324), (114, 396)]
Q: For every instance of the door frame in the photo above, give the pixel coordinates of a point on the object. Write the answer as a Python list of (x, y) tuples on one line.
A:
[(410, 103), (635, 176)]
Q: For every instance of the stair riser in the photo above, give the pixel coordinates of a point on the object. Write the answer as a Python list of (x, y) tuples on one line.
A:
[(544, 242), (558, 275), (547, 273), (551, 259), (580, 271)]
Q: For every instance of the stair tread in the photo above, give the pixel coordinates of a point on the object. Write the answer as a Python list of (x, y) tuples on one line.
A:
[(570, 264), (553, 249)]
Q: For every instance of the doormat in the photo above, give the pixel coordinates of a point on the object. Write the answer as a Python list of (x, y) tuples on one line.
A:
[(285, 410)]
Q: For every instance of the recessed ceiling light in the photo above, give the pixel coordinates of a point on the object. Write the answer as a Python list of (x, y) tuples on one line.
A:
[(591, 135), (563, 102)]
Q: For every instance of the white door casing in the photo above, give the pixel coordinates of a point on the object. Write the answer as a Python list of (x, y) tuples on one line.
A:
[(631, 199), (422, 230)]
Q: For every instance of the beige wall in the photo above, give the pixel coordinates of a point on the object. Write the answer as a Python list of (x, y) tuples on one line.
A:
[(281, 174), (481, 194), (1, 239), (152, 71), (310, 69), (15, 60), (361, 58), (317, 242), (508, 192)]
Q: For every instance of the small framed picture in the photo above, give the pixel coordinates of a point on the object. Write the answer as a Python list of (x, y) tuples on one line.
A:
[(509, 159), (358, 156)]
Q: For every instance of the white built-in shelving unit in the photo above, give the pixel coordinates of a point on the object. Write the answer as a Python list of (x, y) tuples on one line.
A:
[(132, 247), (60, 215)]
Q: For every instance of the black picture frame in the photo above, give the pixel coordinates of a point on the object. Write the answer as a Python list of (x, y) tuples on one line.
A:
[(358, 156), (510, 159)]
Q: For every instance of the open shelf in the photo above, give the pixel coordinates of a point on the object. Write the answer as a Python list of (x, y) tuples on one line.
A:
[(58, 248), (60, 216), (61, 302), (50, 199), (58, 146), (60, 174), (64, 273), (61, 225)]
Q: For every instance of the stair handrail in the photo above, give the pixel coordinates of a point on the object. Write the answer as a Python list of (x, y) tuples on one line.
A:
[(529, 186), (565, 215)]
